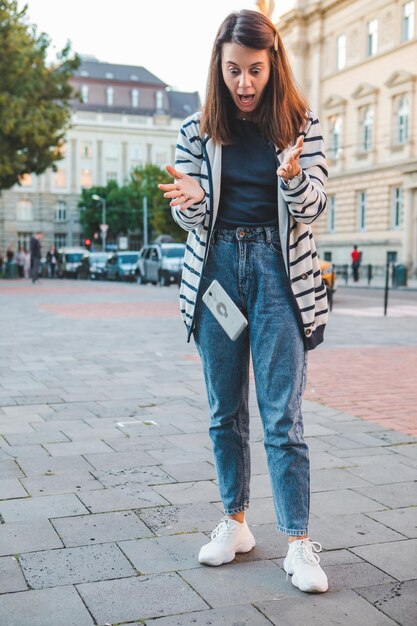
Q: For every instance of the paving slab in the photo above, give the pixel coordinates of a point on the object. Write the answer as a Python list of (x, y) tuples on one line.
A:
[(394, 495), (335, 478), (11, 577), (52, 568), (48, 485), (18, 537), (12, 488), (397, 558), (343, 501), (353, 530), (235, 616), (344, 608), (120, 460), (76, 448), (10, 469), (397, 600), (186, 472), (402, 520), (188, 518), (392, 470), (164, 554), (187, 492), (227, 585), (61, 606), (148, 475), (55, 465), (31, 438), (139, 598), (41, 507), (130, 496), (99, 528)]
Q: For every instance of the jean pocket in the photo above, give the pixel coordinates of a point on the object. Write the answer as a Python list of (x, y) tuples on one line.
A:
[(275, 246)]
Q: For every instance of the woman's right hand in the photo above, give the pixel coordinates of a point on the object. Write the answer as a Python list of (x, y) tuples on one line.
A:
[(184, 191)]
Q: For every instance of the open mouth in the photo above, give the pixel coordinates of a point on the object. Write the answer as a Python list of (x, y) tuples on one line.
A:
[(246, 99)]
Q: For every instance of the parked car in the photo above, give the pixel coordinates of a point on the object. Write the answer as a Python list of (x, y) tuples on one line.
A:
[(328, 275), (122, 265), (161, 263), (93, 265), (69, 261)]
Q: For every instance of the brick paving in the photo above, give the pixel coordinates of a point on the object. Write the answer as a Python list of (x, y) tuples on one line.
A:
[(107, 483)]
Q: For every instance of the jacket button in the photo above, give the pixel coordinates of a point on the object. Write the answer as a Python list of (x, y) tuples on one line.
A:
[(308, 332), (304, 276)]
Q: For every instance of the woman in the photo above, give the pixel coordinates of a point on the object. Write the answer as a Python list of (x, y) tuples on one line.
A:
[(249, 179)]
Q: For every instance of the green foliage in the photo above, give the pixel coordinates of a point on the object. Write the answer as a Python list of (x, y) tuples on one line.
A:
[(34, 97), (124, 206)]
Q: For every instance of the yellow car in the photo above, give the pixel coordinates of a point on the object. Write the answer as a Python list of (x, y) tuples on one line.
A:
[(328, 275)]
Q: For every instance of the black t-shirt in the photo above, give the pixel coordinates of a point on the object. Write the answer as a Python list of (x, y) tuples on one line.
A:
[(248, 195)]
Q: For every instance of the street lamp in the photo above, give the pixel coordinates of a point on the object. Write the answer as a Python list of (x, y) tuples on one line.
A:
[(103, 225)]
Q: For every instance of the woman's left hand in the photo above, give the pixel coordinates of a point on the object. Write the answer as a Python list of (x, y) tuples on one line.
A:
[(290, 166), (184, 192)]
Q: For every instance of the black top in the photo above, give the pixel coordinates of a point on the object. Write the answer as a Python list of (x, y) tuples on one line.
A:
[(248, 195)]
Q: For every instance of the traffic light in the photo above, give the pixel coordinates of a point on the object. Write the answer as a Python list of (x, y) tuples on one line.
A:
[(87, 243)]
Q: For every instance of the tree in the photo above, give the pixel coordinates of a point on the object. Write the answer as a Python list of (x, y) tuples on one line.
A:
[(144, 181), (34, 97)]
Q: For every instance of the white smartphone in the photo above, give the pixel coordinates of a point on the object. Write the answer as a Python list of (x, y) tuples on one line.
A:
[(230, 318)]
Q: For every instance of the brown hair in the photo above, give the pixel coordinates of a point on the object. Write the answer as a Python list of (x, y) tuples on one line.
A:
[(283, 110)]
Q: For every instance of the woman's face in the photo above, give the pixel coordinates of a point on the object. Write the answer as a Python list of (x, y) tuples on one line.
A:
[(246, 73)]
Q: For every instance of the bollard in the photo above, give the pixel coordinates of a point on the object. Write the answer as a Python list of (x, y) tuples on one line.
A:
[(346, 273), (386, 289), (369, 273)]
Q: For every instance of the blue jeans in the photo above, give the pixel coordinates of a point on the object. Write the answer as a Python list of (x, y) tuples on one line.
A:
[(248, 263)]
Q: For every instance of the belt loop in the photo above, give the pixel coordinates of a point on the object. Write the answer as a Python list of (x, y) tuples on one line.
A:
[(268, 235)]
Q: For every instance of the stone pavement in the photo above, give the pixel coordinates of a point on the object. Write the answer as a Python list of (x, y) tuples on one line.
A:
[(107, 484)]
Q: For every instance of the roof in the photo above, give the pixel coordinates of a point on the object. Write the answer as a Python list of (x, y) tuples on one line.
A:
[(182, 103), (111, 71)]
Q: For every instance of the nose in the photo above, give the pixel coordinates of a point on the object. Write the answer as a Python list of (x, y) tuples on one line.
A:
[(244, 80)]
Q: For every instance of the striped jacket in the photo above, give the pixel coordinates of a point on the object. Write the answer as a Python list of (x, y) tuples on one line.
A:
[(199, 157)]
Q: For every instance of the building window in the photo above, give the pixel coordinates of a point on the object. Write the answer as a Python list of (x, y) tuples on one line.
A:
[(60, 240), (341, 52), (23, 240), (335, 136), (372, 37), (86, 150), (362, 206), (60, 179), (402, 120), (367, 129), (134, 77), (331, 215), (397, 207), (61, 211), (112, 150), (86, 179), (135, 97), (24, 211), (84, 93), (159, 101), (109, 75), (408, 21), (328, 256), (110, 96), (111, 176)]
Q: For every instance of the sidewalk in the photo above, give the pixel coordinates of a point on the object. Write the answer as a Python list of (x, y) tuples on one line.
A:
[(107, 483)]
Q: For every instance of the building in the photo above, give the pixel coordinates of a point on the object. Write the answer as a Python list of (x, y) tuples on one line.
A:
[(356, 62), (124, 117)]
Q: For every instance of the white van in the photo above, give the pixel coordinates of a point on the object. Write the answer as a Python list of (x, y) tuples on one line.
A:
[(69, 261)]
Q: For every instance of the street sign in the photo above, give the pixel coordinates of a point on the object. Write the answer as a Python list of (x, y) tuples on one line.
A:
[(123, 243), (104, 228)]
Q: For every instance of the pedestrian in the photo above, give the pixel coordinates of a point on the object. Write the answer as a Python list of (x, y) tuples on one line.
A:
[(20, 261), (10, 262), (356, 263), (26, 265), (52, 260), (1, 263), (249, 180), (35, 255)]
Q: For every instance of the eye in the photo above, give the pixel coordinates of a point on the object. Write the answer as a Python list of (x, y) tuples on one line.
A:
[(256, 70), (233, 70)]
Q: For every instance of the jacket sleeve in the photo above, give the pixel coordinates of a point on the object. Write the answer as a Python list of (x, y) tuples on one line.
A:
[(308, 200), (189, 159)]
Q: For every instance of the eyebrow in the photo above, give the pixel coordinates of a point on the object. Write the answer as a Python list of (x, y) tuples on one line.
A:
[(251, 65)]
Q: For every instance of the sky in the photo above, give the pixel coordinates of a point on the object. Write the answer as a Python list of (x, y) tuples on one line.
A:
[(170, 38)]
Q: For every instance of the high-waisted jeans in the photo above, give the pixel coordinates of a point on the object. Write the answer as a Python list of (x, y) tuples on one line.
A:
[(248, 263)]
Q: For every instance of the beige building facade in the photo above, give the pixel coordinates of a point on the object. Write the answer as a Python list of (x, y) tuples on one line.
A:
[(125, 118), (356, 61)]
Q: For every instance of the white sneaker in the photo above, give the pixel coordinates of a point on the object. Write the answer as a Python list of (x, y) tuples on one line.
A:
[(228, 538), (302, 563)]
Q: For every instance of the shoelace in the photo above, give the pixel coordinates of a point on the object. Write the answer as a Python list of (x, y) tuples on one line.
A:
[(307, 551), (222, 530)]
